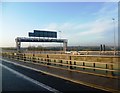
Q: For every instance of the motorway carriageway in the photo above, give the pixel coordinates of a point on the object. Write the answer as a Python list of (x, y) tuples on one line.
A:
[(17, 78)]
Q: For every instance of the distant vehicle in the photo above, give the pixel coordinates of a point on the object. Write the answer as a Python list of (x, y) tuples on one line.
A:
[(68, 52), (80, 53), (75, 53)]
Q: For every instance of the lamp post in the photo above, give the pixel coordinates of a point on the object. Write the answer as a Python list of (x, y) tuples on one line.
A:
[(114, 36), (60, 34), (60, 38)]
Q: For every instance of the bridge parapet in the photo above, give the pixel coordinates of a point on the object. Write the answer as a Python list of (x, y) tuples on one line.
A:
[(106, 69)]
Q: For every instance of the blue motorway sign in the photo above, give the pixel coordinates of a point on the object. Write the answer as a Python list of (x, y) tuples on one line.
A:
[(40, 33)]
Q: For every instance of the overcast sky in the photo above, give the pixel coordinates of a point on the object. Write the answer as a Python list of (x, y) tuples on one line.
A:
[(82, 23)]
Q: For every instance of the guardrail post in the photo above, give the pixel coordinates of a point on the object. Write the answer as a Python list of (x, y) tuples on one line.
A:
[(12, 55), (21, 56), (41, 60), (83, 64), (111, 68), (61, 62), (44, 60), (74, 64), (33, 58), (27, 58), (94, 66), (30, 59), (106, 68), (67, 63), (17, 56), (38, 60), (70, 63), (24, 57), (48, 60), (54, 62)]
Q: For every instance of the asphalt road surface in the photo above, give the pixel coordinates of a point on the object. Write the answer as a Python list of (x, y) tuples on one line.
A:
[(16, 78)]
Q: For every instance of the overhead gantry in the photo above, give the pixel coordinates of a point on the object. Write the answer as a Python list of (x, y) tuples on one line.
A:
[(27, 39)]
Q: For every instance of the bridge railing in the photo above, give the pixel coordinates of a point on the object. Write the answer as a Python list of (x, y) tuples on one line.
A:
[(107, 69)]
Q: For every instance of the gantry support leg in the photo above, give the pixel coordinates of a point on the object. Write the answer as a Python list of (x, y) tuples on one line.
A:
[(64, 46), (18, 44)]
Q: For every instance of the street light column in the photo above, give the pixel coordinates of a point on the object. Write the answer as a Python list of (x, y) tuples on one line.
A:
[(60, 34), (60, 38), (114, 36)]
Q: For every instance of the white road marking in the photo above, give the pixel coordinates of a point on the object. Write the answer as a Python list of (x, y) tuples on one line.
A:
[(31, 80)]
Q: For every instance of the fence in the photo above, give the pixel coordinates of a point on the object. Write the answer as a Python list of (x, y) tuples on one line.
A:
[(107, 69)]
